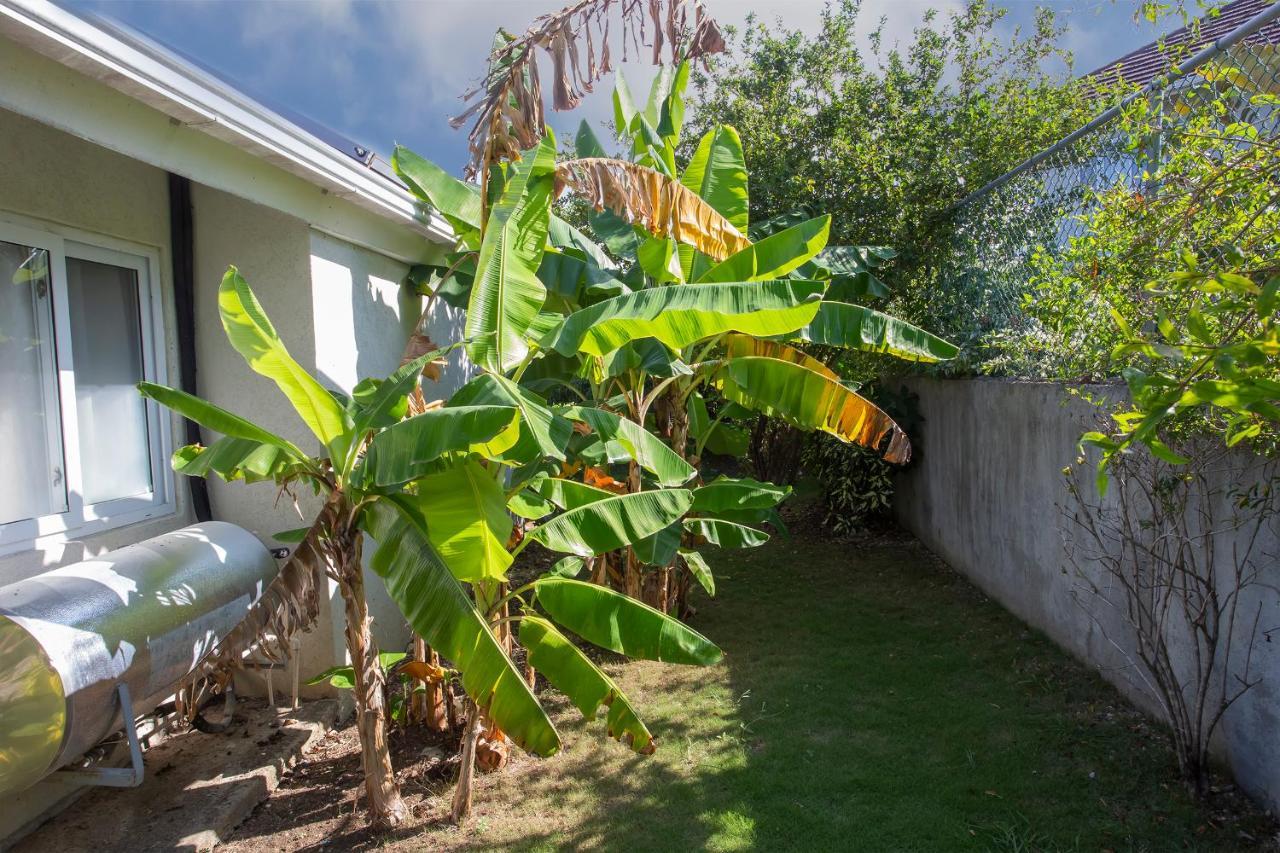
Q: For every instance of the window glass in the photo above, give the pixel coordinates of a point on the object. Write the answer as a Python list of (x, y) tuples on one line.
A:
[(106, 346), (32, 483)]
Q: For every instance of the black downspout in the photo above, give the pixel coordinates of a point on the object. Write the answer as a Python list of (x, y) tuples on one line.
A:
[(182, 240)]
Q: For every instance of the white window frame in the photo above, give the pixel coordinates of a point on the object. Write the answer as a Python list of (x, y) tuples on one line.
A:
[(81, 519)]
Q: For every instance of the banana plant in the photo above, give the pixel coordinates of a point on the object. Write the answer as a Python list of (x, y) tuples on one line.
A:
[(682, 320), (431, 491)]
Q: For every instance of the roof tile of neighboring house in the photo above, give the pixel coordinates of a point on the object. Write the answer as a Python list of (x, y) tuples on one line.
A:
[(1146, 63)]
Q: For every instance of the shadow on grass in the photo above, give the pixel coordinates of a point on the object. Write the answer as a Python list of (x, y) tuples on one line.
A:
[(867, 701)]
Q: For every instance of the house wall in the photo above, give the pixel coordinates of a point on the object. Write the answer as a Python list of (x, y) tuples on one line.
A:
[(986, 495), (338, 306), (60, 181), (64, 182), (363, 318)]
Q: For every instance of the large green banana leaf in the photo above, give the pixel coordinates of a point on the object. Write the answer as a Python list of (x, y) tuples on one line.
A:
[(621, 624), (624, 106), (609, 524), (507, 293), (725, 534), (647, 355), (542, 431), (457, 201), (775, 255), (670, 106), (442, 613), (526, 504), (406, 450), (467, 521), (843, 325), (660, 548), (215, 418), (810, 400), (649, 452), (726, 493), (573, 674), (569, 494), (680, 316), (718, 173), (252, 335)]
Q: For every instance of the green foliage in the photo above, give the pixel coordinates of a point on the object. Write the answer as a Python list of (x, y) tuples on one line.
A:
[(1173, 284), (886, 140), (856, 485)]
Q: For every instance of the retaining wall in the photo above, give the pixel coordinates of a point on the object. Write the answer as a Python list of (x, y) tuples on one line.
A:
[(986, 495)]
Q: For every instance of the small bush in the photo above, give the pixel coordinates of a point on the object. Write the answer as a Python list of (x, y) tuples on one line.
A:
[(856, 483)]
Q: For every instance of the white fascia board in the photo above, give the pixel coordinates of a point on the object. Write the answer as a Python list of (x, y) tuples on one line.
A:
[(188, 95)]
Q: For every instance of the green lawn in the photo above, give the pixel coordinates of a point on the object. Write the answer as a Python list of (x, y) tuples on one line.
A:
[(869, 700)]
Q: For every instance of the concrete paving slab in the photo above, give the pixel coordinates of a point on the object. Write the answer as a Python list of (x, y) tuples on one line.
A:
[(198, 786)]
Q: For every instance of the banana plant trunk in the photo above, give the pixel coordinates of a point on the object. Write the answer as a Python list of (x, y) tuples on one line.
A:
[(467, 766), (675, 586), (386, 807)]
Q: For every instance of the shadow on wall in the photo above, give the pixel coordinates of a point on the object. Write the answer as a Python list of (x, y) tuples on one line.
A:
[(364, 316)]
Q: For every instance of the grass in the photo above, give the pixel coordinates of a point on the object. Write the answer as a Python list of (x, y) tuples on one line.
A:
[(869, 700)]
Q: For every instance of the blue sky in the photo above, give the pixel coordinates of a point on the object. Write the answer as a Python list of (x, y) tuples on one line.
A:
[(390, 71)]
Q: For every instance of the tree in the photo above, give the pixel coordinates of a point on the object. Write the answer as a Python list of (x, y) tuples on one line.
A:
[(887, 140), (428, 489), (677, 304)]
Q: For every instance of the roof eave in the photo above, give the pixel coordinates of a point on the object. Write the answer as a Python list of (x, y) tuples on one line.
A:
[(188, 95)]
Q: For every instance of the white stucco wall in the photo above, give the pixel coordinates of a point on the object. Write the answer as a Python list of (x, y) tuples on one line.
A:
[(363, 318), (56, 181)]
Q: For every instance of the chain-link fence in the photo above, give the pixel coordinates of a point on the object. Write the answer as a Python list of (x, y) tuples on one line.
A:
[(1041, 205)]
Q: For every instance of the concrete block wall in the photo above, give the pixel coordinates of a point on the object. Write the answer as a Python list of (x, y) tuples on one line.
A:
[(986, 496)]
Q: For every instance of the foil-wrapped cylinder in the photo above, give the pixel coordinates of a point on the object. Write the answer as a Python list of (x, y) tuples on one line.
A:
[(144, 615)]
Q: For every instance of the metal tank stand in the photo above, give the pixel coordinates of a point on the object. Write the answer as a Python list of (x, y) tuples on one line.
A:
[(114, 777)]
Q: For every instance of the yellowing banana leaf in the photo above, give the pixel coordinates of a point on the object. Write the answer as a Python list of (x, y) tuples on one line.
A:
[(680, 316), (613, 621), (644, 196), (741, 346), (649, 452), (843, 325), (725, 534), (507, 293), (442, 613), (609, 524), (810, 400), (701, 572), (253, 336), (467, 521), (775, 255), (406, 450), (586, 685), (717, 172)]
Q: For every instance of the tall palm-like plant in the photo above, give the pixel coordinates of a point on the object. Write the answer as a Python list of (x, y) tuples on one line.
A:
[(683, 305), (429, 490)]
